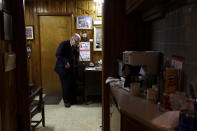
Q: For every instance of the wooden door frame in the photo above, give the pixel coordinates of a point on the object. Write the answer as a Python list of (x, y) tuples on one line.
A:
[(105, 102), (37, 37)]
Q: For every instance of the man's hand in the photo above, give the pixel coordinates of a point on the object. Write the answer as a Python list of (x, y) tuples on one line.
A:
[(67, 65)]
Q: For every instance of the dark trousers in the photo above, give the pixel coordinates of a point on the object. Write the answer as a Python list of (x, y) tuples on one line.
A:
[(68, 88)]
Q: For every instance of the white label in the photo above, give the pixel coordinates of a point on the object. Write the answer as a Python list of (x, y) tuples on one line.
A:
[(127, 59)]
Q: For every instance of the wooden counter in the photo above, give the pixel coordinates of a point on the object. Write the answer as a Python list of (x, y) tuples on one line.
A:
[(136, 113)]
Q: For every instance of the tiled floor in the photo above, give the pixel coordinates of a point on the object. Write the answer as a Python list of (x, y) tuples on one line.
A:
[(76, 118)]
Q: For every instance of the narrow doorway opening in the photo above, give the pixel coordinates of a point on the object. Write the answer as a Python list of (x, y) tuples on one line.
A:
[(50, 29)]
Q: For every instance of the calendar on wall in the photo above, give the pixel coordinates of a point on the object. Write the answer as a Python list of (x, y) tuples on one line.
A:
[(84, 54)]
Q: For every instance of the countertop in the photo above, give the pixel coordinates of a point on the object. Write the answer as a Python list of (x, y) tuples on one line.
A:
[(137, 108)]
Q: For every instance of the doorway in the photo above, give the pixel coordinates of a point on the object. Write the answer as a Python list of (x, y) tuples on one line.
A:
[(53, 30)]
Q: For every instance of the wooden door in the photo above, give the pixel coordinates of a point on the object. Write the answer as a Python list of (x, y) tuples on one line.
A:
[(53, 30)]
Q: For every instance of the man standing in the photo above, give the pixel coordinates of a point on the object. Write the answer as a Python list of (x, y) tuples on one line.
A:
[(66, 66)]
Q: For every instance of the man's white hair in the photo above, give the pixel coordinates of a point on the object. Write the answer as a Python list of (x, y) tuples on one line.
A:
[(75, 37)]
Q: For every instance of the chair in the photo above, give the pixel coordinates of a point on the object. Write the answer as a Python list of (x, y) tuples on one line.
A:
[(36, 106)]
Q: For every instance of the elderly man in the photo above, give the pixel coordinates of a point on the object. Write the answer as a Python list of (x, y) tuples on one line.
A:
[(66, 66)]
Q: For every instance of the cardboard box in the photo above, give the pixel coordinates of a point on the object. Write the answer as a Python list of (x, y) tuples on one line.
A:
[(148, 59)]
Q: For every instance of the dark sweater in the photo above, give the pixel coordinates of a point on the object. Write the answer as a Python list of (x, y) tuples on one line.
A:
[(66, 53)]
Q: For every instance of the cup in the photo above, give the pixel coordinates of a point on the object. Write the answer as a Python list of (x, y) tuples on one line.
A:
[(151, 95)]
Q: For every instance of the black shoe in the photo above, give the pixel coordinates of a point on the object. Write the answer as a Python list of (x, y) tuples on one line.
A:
[(67, 105)]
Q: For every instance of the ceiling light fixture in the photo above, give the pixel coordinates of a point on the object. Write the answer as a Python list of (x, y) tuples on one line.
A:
[(99, 1)]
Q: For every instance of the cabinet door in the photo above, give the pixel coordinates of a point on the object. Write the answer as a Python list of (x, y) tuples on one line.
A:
[(115, 118), (129, 124), (93, 83)]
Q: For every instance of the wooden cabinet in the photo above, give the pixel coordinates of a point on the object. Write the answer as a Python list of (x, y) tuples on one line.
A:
[(115, 117), (130, 5), (122, 122), (122, 119), (129, 124), (92, 83)]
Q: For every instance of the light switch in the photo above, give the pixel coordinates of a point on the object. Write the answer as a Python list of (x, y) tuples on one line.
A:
[(9, 61)]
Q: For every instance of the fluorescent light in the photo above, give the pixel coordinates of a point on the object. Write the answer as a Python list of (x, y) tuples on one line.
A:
[(98, 1)]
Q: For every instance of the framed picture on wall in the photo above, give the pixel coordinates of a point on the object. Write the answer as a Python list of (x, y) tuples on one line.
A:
[(7, 26), (97, 22), (84, 22), (99, 11), (29, 32), (98, 38)]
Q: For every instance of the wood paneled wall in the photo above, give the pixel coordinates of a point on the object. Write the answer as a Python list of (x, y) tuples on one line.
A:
[(57, 7), (7, 84), (14, 105), (8, 93)]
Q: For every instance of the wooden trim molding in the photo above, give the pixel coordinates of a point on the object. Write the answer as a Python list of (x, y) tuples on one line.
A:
[(54, 14), (22, 90), (0, 120)]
